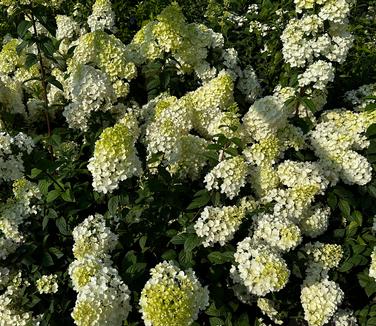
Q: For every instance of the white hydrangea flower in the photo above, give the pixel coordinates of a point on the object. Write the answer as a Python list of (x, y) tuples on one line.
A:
[(218, 224), (292, 174), (102, 17), (320, 301), (66, 27), (10, 311), (14, 212), (260, 269), (326, 255), (267, 308), (115, 156), (372, 267), (334, 141), (93, 237), (292, 203), (248, 84), (319, 73), (357, 99), (233, 173), (47, 284), (12, 150), (89, 90), (316, 222), (103, 298), (344, 317), (172, 296), (335, 10), (188, 157), (265, 117), (277, 232)]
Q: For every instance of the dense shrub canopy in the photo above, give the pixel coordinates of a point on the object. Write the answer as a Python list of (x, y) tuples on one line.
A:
[(188, 163)]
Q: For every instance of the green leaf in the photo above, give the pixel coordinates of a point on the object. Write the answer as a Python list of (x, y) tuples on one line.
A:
[(215, 321), (332, 200), (52, 195), (136, 268), (142, 242), (308, 103), (61, 224), (217, 257), (23, 27), (169, 255), (57, 252), (67, 196), (199, 201), (52, 80), (35, 172), (113, 205), (31, 60), (191, 242), (179, 239), (47, 259), (243, 320), (45, 222), (43, 186), (371, 131), (344, 206)]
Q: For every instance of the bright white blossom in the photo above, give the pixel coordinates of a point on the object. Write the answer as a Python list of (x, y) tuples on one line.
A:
[(232, 172), (260, 269)]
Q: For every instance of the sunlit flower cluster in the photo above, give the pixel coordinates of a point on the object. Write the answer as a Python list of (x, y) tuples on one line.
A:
[(115, 156), (172, 296), (103, 298), (218, 224), (259, 268)]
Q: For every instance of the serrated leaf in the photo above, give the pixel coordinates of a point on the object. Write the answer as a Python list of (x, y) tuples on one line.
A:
[(67, 196), (43, 186), (35, 172), (136, 268), (113, 205)]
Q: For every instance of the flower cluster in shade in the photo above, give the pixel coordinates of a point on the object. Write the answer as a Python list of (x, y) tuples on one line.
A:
[(172, 296), (103, 298), (14, 212), (11, 312), (47, 284), (12, 150)]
